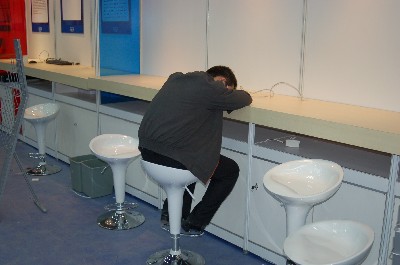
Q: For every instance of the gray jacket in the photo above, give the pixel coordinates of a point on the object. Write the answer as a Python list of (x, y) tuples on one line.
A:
[(184, 120)]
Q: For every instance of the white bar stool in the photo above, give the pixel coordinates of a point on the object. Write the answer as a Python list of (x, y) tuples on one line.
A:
[(333, 242), (173, 181), (40, 116), (118, 151), (300, 185)]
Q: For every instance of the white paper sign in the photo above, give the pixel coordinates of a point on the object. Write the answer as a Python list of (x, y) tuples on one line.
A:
[(71, 9), (40, 11)]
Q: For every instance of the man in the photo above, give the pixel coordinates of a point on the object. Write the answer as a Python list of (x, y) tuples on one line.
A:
[(182, 128)]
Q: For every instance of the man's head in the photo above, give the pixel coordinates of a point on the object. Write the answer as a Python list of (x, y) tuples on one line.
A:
[(223, 74)]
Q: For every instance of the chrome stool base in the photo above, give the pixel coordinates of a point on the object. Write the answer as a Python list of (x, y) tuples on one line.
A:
[(120, 220), (43, 170), (186, 257), (125, 206)]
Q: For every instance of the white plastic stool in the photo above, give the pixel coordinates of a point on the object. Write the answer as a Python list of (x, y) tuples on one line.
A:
[(39, 116), (300, 185), (333, 242), (118, 151), (173, 181)]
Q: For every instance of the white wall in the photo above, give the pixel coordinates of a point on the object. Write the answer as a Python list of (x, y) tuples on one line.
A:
[(173, 36), (353, 52), (352, 47), (76, 48), (41, 45)]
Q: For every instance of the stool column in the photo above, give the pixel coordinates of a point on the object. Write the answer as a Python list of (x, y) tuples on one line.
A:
[(40, 134), (119, 172)]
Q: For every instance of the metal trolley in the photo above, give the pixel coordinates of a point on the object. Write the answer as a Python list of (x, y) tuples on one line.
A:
[(13, 100)]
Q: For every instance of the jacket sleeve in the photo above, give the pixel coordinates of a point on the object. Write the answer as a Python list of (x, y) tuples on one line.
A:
[(225, 99)]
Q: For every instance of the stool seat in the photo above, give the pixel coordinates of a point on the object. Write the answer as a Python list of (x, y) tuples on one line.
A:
[(173, 181), (41, 113), (118, 151), (333, 242), (39, 116), (301, 184)]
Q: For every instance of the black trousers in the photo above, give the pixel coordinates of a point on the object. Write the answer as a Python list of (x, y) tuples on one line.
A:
[(220, 186)]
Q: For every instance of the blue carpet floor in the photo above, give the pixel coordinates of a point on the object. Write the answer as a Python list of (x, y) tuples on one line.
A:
[(69, 235)]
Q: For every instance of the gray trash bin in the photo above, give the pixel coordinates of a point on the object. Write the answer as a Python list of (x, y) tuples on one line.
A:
[(97, 178), (75, 165)]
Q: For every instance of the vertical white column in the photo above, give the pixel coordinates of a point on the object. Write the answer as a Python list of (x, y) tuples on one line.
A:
[(250, 143), (388, 215)]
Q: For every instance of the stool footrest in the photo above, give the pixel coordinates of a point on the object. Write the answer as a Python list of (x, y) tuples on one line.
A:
[(165, 257), (126, 206), (37, 156)]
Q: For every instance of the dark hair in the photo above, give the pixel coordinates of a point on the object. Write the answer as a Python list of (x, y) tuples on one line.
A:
[(225, 72)]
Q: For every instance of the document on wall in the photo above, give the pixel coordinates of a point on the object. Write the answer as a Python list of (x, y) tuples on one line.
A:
[(71, 10), (116, 16), (71, 16), (40, 11), (115, 10), (40, 16)]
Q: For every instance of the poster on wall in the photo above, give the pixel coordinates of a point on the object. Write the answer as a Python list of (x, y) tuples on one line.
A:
[(71, 16), (115, 16), (5, 17), (40, 15)]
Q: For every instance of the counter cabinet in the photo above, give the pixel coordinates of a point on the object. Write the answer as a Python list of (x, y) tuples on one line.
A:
[(259, 225), (75, 125), (267, 221), (77, 121), (361, 196)]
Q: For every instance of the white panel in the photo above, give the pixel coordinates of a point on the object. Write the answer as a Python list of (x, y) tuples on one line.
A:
[(40, 45), (75, 128), (260, 40), (233, 208), (76, 47), (54, 44), (267, 226), (173, 36), (353, 52)]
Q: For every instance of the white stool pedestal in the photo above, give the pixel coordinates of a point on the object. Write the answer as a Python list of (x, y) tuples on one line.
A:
[(300, 185), (39, 116), (118, 151), (173, 181)]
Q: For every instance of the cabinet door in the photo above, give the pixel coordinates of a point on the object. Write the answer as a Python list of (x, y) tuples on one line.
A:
[(28, 129), (143, 187), (359, 204), (75, 127), (231, 215), (267, 221)]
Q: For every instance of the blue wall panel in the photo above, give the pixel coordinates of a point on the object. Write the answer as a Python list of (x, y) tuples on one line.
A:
[(119, 37)]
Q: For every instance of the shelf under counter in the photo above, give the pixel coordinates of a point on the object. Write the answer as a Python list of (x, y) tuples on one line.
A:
[(128, 110), (356, 126), (142, 87), (350, 157), (72, 75)]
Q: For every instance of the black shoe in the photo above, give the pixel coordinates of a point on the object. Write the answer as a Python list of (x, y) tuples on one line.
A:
[(164, 221), (192, 229), (290, 262), (164, 218)]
